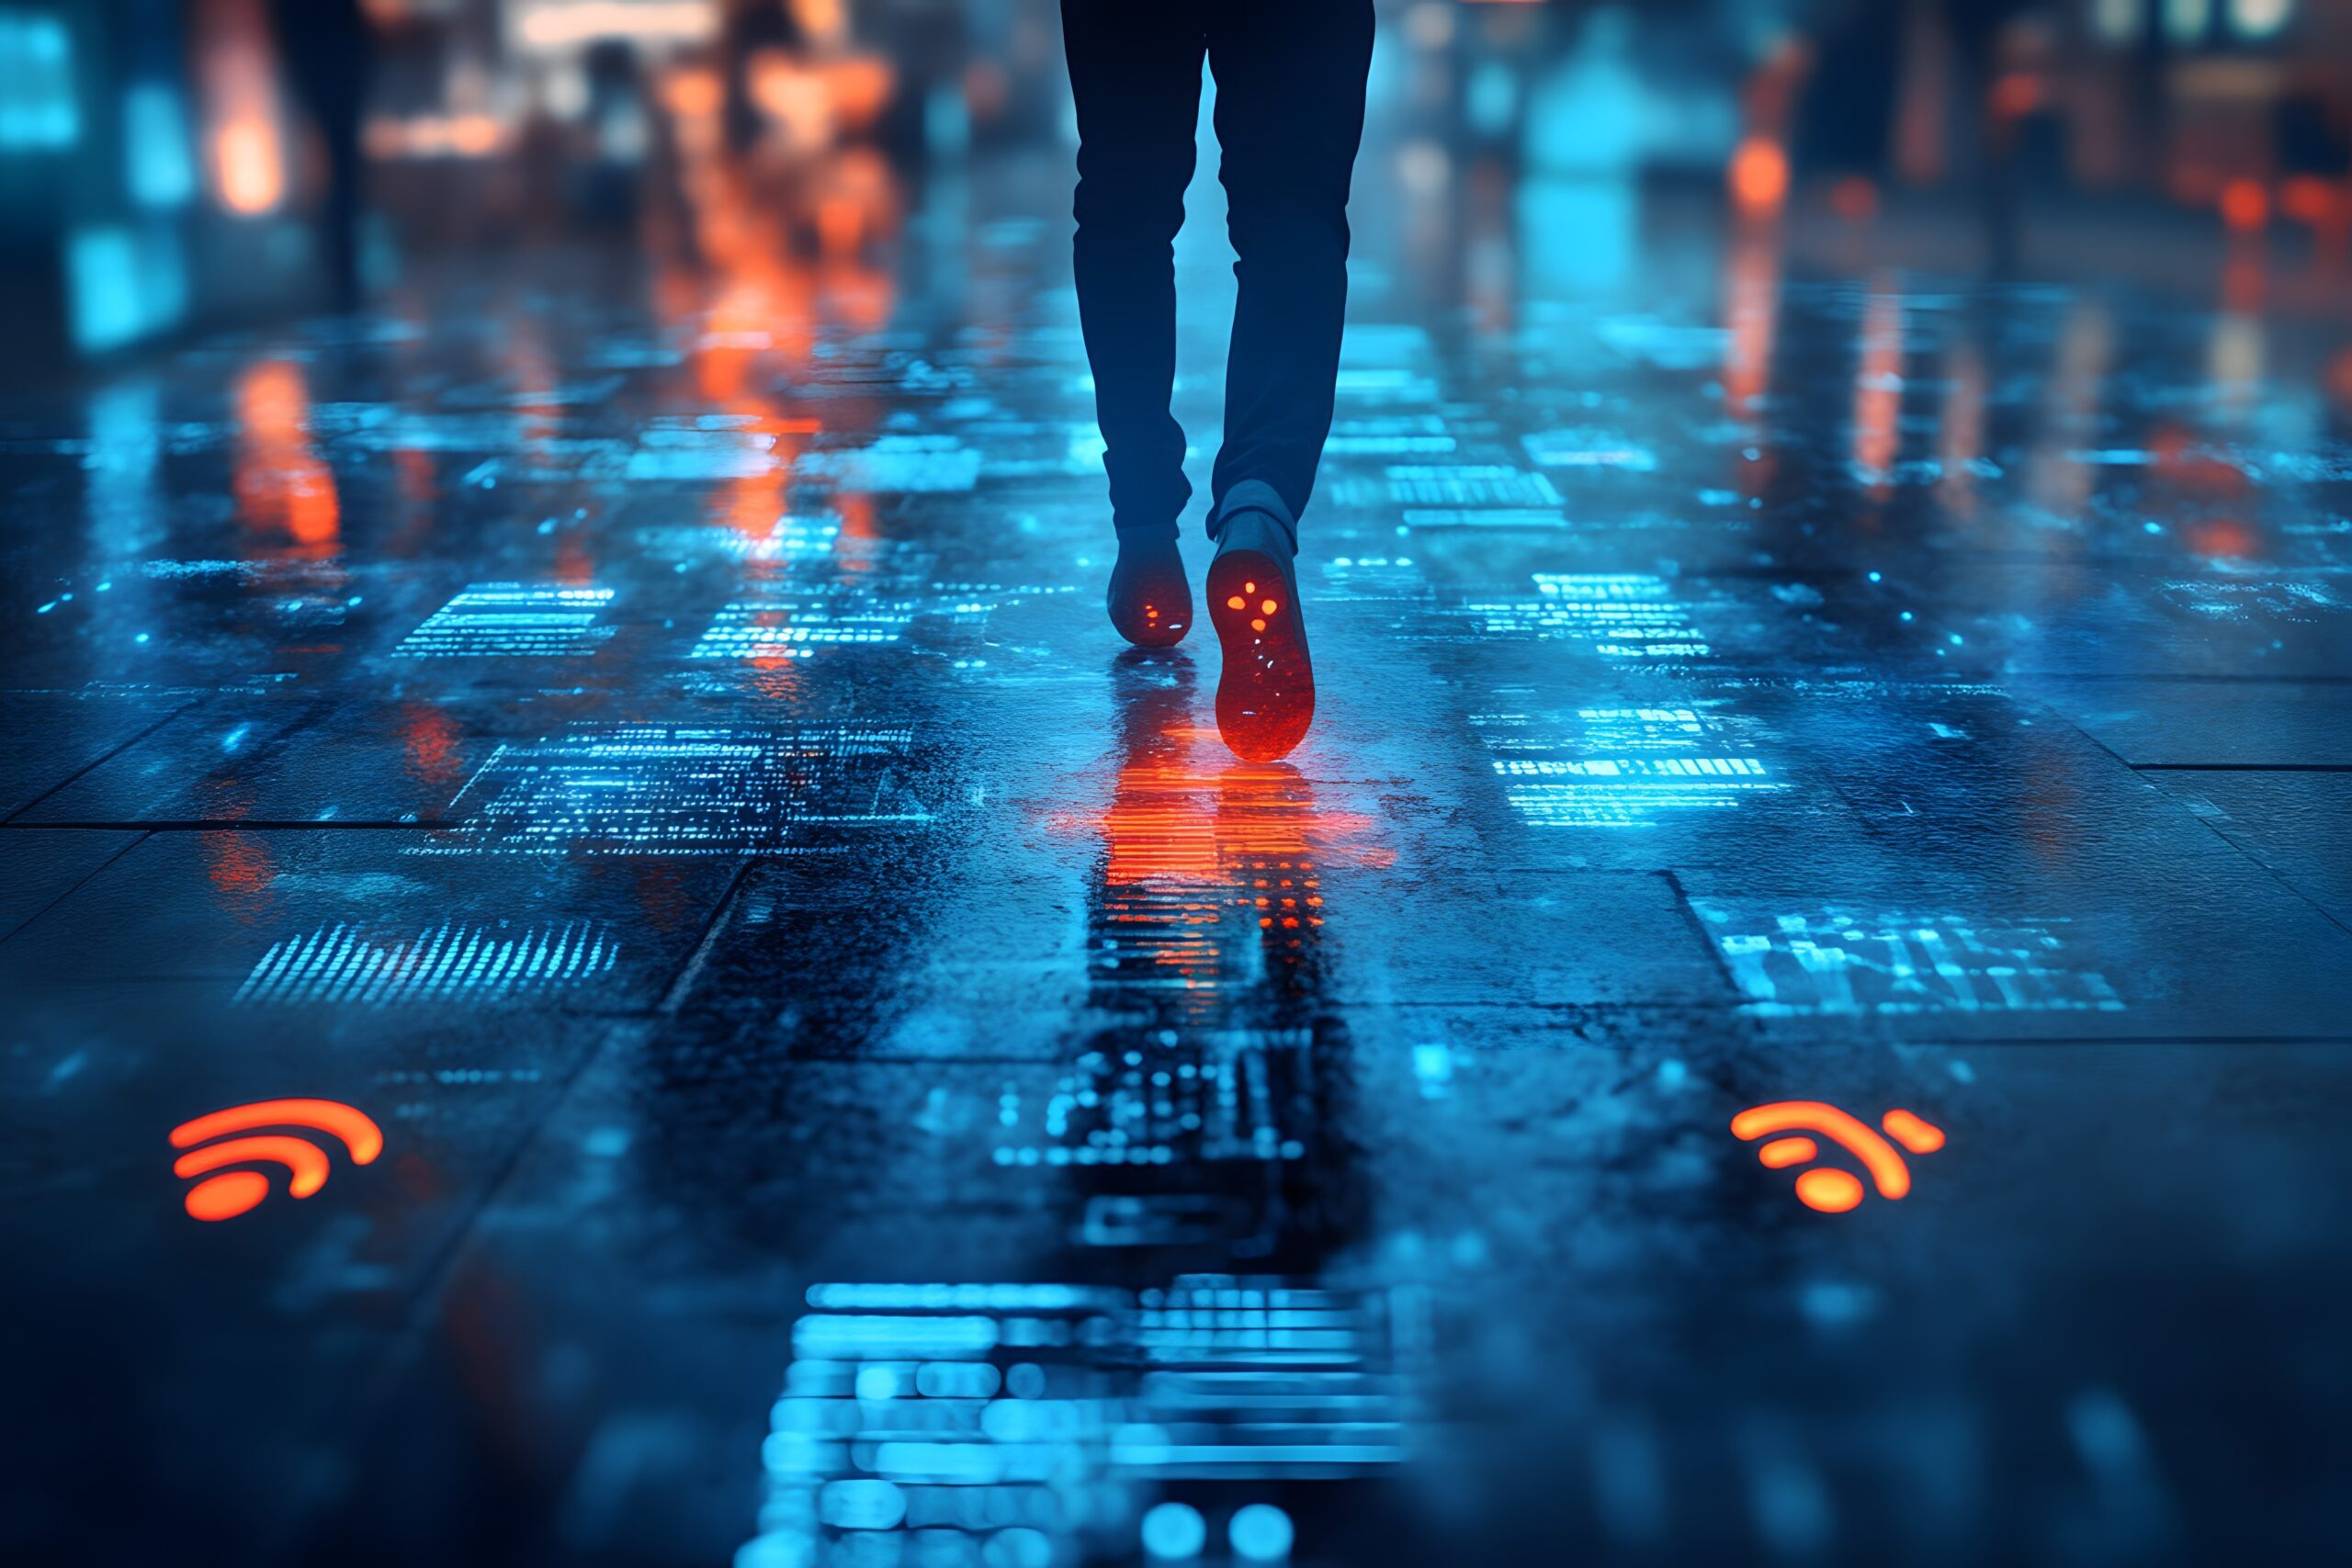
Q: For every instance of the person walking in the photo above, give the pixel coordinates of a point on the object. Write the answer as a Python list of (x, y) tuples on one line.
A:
[(1290, 104)]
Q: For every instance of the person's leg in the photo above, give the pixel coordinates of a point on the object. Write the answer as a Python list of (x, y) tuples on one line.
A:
[(1290, 91), (1290, 101), (1135, 72)]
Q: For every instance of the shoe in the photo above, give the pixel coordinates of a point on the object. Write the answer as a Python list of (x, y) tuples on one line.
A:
[(1150, 600), (1265, 693)]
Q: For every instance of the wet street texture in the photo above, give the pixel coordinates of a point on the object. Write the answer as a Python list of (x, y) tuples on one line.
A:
[(863, 1076)]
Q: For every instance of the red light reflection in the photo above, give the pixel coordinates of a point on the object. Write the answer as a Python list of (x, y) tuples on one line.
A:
[(280, 483)]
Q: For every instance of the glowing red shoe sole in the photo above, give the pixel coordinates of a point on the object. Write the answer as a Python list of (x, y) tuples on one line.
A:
[(1265, 694)]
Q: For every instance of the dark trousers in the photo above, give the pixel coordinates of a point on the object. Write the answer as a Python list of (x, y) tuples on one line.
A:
[(1290, 90)]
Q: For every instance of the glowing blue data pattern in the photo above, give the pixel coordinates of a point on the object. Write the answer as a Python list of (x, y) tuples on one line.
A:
[(656, 789), (1846, 962), (784, 627), (1623, 617), (1058, 1413), (1583, 448), (1390, 435), (450, 962), (1179, 1098), (512, 620), (1468, 484), (895, 464), (1621, 767)]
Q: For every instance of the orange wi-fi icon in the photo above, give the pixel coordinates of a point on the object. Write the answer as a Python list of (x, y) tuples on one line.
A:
[(231, 1193), (1825, 1187)]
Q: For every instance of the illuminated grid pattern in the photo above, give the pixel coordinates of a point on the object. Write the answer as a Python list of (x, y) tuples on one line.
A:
[(1384, 384), (1626, 767), (1494, 517), (1389, 435), (1629, 792), (980, 598), (684, 456), (929, 463), (512, 620), (1054, 1413), (796, 627), (448, 962), (1623, 616), (1848, 962), (796, 537), (654, 790), (1468, 484), (1175, 1099), (1374, 580), (1586, 448)]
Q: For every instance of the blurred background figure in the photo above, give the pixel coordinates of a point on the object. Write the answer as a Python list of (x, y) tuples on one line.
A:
[(1994, 111), (327, 52)]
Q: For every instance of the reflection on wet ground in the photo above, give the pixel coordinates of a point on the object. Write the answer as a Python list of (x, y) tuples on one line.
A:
[(864, 1076)]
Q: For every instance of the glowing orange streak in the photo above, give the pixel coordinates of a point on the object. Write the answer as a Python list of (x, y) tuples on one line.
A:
[(1878, 402), (1915, 1133), (1783, 1152), (362, 1136), (1878, 1156), (304, 1160), (1828, 1189), (278, 478), (226, 1197)]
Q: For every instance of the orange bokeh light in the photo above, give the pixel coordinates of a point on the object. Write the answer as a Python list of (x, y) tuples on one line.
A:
[(1854, 199), (1921, 1137), (2222, 538), (2307, 199), (2245, 204), (1760, 175), (252, 170), (2339, 376), (1828, 1189), (2016, 94), (228, 1195)]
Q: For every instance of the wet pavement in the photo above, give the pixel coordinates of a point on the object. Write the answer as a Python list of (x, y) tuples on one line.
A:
[(864, 1076)]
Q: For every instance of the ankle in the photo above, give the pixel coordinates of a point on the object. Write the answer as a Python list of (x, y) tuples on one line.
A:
[(1255, 512), (1155, 540)]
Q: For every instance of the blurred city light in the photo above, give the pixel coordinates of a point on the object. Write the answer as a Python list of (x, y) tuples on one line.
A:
[(700, 129)]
